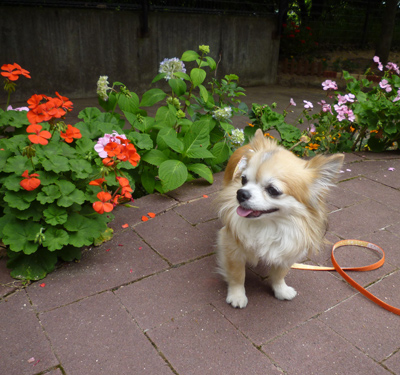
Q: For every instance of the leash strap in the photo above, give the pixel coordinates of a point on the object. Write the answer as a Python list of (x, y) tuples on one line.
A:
[(341, 270)]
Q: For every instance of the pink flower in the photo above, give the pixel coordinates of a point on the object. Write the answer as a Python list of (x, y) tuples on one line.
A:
[(9, 108), (397, 98), (343, 111), (104, 141), (312, 128), (385, 85), (343, 99), (292, 102), (393, 66), (329, 85), (377, 61), (308, 104), (325, 106)]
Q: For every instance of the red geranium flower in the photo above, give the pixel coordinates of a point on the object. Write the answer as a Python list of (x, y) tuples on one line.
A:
[(30, 182), (70, 134), (13, 71), (40, 137), (103, 205), (97, 182)]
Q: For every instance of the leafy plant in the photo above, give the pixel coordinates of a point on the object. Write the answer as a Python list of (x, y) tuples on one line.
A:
[(190, 135), (365, 117), (59, 183)]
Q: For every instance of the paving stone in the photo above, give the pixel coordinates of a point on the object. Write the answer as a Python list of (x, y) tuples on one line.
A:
[(203, 342), (167, 295), (340, 197), (123, 259), (174, 238), (374, 190), (352, 157), (97, 336), (313, 348), (389, 242), (387, 155), (199, 211), (266, 317), (386, 177), (363, 218), (24, 348), (365, 167), (56, 371), (7, 283), (393, 363), (156, 203), (367, 325), (197, 188)]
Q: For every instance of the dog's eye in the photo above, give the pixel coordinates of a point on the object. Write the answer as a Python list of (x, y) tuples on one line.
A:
[(273, 192), (244, 180)]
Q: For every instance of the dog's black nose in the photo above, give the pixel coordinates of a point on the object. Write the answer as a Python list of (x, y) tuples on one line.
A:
[(243, 195)]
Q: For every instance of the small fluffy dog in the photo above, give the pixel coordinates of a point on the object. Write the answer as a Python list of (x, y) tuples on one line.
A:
[(273, 210)]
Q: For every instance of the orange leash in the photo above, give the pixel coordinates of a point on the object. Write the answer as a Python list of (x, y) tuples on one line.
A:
[(341, 270)]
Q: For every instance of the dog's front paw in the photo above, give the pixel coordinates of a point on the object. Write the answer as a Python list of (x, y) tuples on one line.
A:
[(282, 292), (237, 297)]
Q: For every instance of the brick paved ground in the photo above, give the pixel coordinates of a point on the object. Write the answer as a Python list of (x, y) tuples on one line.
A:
[(150, 302)]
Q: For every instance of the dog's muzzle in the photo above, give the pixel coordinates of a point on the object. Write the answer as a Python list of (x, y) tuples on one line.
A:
[(243, 195)]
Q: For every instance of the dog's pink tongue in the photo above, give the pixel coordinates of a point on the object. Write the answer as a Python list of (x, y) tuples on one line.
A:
[(243, 212)]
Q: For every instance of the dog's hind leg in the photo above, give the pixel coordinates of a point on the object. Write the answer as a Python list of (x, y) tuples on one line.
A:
[(276, 279)]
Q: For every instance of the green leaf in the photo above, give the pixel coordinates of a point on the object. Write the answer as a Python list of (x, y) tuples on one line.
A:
[(167, 115), (196, 141), (33, 212), (154, 157), (170, 138), (66, 187), (82, 230), (197, 76), (107, 235), (141, 141), (56, 164), (81, 168), (129, 104), (20, 236), (49, 194), (201, 170), (69, 253), (77, 196), (172, 173), (211, 62), (158, 77), (203, 93), (178, 86), (31, 267), (190, 56), (148, 179), (89, 114), (55, 238), (16, 119), (152, 97), (182, 75), (18, 165), (12, 182), (55, 215), (220, 152), (21, 200)]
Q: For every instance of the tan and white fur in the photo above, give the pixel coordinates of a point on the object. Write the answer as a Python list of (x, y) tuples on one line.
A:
[(273, 210)]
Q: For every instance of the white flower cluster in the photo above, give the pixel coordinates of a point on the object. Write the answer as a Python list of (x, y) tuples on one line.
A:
[(237, 137), (171, 66), (222, 113), (102, 87)]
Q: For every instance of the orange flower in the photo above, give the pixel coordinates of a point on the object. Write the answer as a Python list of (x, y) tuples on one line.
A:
[(129, 154), (112, 149), (40, 137), (30, 182), (13, 71), (126, 188), (66, 103), (103, 205), (70, 134), (97, 182), (108, 162)]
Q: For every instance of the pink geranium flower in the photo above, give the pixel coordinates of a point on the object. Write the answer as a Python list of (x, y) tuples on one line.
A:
[(329, 85), (385, 85)]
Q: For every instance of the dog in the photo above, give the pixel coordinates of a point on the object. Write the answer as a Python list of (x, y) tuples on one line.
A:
[(272, 207)]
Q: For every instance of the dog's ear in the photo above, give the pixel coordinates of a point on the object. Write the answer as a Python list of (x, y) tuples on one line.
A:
[(232, 167), (325, 170)]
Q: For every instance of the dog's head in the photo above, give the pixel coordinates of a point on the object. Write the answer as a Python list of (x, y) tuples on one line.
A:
[(270, 180)]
